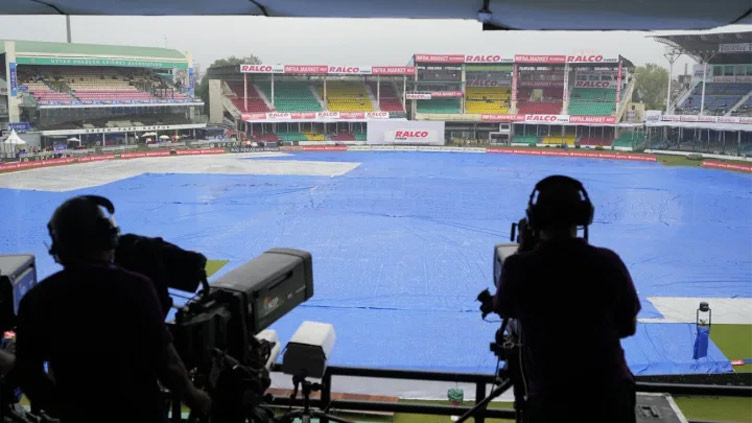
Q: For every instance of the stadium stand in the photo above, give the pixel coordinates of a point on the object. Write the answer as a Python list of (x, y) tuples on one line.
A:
[(389, 100), (93, 85), (292, 96), (719, 97), (567, 139), (525, 139), (291, 136), (104, 87), (439, 105), (629, 139), (270, 136), (255, 103), (313, 136), (343, 136), (592, 101), (593, 141), (346, 96), (541, 101), (361, 136), (46, 95), (487, 100)]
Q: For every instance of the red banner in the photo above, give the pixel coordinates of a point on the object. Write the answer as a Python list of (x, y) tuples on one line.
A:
[(138, 154), (730, 166), (541, 84), (309, 148), (393, 70), (197, 151), (592, 119), (576, 153), (96, 158), (35, 164), (446, 94), (460, 58), (546, 59), (306, 69), (352, 115), (440, 58), (501, 118)]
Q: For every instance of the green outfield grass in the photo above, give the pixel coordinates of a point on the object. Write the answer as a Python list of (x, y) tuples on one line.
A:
[(735, 341), (212, 266)]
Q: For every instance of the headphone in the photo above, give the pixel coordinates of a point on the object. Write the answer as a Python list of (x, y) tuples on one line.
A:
[(88, 229), (579, 212)]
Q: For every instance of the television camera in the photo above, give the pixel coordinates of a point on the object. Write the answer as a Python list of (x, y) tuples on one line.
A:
[(220, 335), (508, 339)]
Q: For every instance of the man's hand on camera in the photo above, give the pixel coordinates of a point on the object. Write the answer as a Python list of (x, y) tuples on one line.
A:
[(199, 402), (486, 303)]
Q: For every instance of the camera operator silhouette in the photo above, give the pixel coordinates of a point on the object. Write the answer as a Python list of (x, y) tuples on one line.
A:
[(99, 328), (573, 303)]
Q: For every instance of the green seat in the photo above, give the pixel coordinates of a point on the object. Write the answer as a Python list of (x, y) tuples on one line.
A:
[(525, 139), (629, 139), (292, 136), (592, 101), (292, 97), (439, 105)]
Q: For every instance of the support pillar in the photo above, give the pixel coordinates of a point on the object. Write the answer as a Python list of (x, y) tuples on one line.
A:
[(378, 89), (565, 93), (272, 99), (513, 101), (245, 92), (704, 76)]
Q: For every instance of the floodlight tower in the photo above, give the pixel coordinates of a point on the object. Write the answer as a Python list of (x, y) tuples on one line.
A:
[(671, 54)]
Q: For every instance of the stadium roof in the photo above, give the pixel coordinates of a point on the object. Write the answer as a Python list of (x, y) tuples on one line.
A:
[(707, 45), (502, 14), (52, 49)]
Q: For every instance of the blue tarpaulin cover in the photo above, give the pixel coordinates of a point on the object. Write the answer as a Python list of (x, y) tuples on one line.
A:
[(403, 243)]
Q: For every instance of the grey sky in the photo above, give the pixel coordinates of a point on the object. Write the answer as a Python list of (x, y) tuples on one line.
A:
[(330, 41)]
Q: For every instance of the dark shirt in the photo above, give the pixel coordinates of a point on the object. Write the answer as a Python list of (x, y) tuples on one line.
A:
[(101, 330), (573, 302)]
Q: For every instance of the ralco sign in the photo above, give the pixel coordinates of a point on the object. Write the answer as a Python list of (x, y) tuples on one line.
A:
[(495, 58), (262, 68), (410, 134), (546, 118)]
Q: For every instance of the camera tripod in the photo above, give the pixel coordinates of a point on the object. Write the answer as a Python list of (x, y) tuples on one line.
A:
[(503, 385), (307, 413), (506, 347)]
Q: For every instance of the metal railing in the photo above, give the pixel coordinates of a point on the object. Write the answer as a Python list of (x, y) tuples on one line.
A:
[(481, 382)]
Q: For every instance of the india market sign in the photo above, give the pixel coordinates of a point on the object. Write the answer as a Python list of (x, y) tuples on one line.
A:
[(89, 61)]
